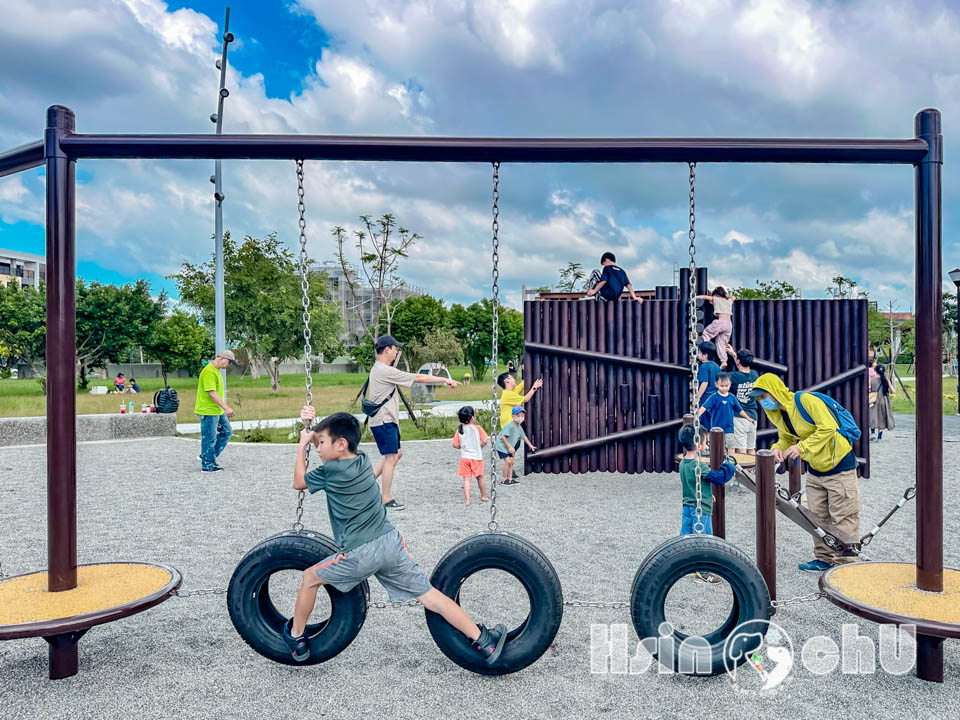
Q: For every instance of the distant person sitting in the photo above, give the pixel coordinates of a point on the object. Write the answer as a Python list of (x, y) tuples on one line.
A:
[(609, 283), (134, 388), (119, 383)]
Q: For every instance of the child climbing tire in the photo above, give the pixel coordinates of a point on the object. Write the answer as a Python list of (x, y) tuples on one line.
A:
[(727, 646), (524, 561), (259, 622)]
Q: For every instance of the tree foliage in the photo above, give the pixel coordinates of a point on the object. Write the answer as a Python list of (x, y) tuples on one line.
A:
[(473, 326), (438, 345), (23, 325), (768, 290), (570, 277), (179, 341), (263, 302)]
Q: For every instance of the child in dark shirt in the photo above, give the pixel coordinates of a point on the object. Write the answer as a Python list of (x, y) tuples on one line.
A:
[(609, 283), (370, 544)]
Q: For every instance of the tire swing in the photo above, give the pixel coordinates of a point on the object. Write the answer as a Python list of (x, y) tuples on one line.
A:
[(252, 611), (497, 550), (729, 645)]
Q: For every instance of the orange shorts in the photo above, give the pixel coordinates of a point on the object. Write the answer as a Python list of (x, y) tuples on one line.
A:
[(470, 468)]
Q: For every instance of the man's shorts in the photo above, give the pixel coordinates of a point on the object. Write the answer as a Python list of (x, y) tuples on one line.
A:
[(387, 437), (386, 558), (744, 434)]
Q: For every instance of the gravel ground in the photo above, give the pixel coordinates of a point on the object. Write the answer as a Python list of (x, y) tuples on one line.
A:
[(146, 500)]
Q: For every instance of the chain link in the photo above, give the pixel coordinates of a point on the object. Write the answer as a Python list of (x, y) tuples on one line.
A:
[(197, 593), (493, 525), (392, 605), (698, 525), (909, 494), (596, 604), (812, 597), (307, 347)]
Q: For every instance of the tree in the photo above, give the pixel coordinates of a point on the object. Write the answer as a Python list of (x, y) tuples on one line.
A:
[(23, 325), (570, 277), (438, 345), (263, 302), (473, 327), (381, 250), (179, 341), (111, 318), (414, 317), (845, 287), (772, 290)]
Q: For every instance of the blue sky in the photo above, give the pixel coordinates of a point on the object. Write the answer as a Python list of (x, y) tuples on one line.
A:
[(504, 67)]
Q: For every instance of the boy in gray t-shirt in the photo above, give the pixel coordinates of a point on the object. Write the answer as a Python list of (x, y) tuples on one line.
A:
[(370, 544), (508, 442)]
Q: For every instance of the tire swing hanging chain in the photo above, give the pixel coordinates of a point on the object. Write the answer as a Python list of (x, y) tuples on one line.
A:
[(698, 525), (493, 525), (307, 347)]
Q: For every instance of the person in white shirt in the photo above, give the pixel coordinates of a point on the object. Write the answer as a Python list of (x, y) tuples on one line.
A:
[(471, 439)]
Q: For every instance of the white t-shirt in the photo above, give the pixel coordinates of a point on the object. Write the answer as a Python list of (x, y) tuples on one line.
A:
[(384, 379), (471, 442)]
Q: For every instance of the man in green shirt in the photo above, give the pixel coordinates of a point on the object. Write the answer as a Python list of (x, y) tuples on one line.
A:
[(213, 410)]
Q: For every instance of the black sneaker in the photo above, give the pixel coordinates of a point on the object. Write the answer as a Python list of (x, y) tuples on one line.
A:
[(298, 646), (515, 476), (490, 643), (213, 469), (394, 505)]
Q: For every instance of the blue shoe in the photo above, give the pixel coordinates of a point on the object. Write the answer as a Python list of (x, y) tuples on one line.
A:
[(298, 646), (814, 566)]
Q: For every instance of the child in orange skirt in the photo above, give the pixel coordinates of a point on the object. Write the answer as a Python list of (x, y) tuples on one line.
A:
[(471, 439)]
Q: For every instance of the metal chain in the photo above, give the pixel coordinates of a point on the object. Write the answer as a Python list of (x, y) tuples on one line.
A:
[(908, 495), (596, 604), (493, 525), (307, 347), (197, 593), (812, 597), (698, 525), (2, 573), (393, 605)]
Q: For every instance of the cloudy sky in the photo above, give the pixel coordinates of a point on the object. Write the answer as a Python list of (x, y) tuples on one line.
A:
[(747, 68)]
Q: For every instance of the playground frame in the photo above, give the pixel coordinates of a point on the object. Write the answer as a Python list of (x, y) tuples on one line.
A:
[(61, 148)]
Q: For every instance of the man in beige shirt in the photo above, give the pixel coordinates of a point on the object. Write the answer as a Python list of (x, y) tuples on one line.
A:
[(385, 381)]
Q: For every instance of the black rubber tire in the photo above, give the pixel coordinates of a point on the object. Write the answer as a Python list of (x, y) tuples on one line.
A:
[(672, 561), (256, 618), (522, 559)]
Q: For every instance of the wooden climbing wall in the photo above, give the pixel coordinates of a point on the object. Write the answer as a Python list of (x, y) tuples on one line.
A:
[(616, 382)]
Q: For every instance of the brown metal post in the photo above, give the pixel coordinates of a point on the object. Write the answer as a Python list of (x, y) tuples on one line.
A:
[(61, 381), (929, 341), (767, 521), (796, 473), (717, 454)]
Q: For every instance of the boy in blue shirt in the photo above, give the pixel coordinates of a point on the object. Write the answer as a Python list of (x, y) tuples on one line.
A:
[(370, 544), (721, 407), (508, 442), (688, 483)]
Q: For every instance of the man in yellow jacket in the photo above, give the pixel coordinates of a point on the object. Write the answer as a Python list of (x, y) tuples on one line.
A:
[(833, 491)]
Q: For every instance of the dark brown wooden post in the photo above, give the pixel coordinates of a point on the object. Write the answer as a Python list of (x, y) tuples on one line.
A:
[(61, 381), (766, 521), (795, 469), (717, 454), (929, 348)]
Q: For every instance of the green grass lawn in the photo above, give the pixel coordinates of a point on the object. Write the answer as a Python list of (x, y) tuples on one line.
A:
[(251, 399)]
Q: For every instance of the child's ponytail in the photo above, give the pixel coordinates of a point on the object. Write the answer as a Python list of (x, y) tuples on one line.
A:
[(464, 415)]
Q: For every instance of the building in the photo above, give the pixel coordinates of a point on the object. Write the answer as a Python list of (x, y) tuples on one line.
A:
[(357, 311), (22, 268)]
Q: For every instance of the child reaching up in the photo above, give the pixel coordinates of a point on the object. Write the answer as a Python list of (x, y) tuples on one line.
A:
[(470, 438)]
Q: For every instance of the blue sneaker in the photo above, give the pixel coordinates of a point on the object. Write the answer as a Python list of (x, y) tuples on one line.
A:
[(814, 566), (299, 647)]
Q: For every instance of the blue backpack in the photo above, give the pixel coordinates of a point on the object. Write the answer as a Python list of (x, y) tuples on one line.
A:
[(847, 426)]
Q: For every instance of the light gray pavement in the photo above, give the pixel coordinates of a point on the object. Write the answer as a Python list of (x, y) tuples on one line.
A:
[(147, 500)]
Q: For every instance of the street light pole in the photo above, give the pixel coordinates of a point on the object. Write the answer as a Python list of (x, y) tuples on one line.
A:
[(955, 276), (217, 180)]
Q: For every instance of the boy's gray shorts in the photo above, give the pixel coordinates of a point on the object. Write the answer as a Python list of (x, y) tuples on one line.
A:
[(386, 558)]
